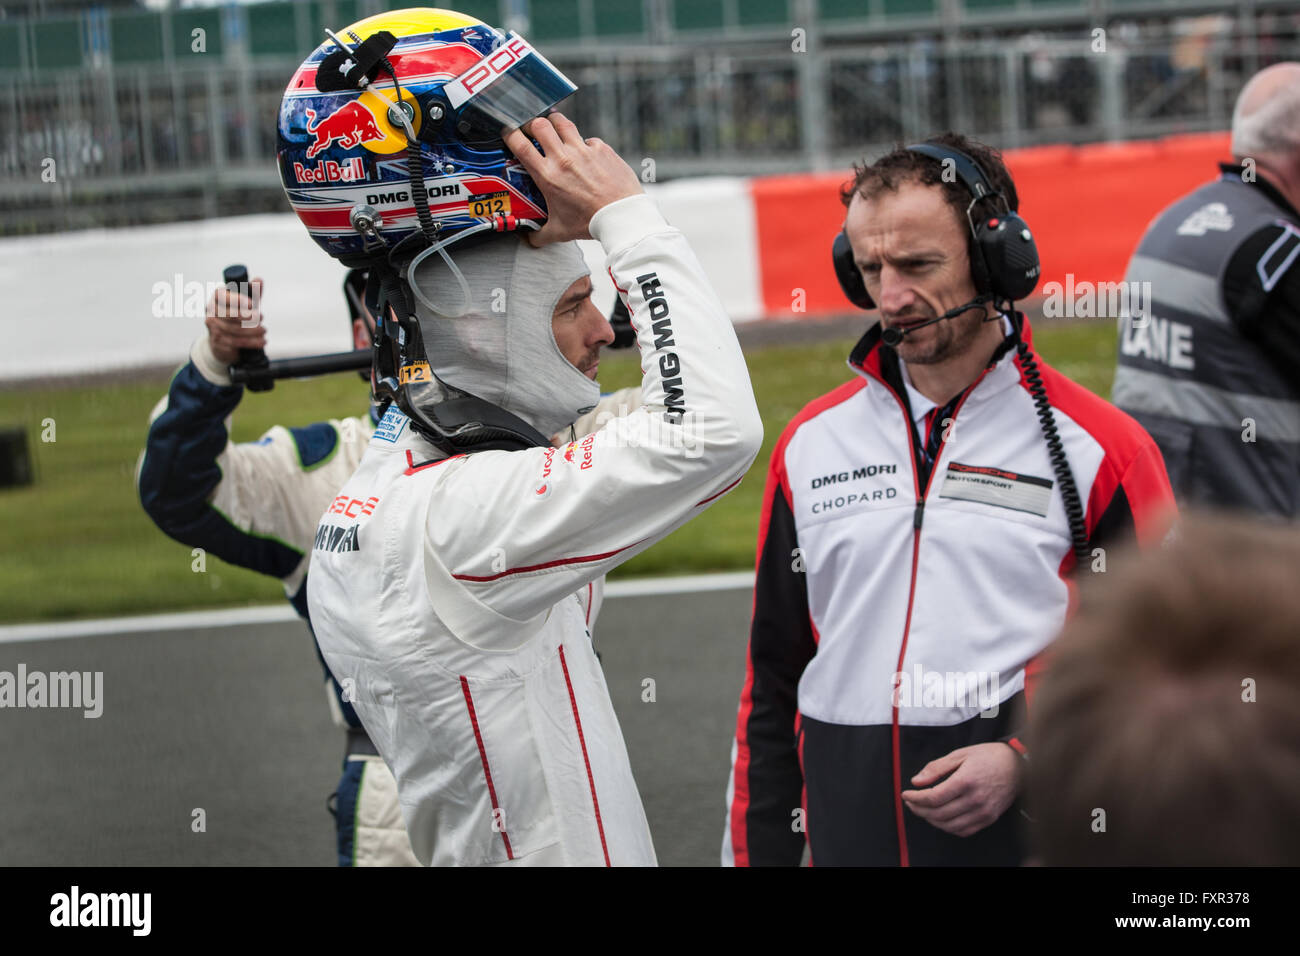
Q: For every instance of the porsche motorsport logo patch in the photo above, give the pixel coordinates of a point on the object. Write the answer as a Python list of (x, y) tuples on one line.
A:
[(997, 487)]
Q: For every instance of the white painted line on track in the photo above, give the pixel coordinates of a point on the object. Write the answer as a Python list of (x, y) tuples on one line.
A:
[(180, 621), (279, 613), (686, 584)]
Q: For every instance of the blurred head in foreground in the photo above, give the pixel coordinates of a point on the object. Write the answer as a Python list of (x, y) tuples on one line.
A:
[(1166, 730)]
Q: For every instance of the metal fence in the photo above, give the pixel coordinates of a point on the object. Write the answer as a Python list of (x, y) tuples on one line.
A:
[(128, 143)]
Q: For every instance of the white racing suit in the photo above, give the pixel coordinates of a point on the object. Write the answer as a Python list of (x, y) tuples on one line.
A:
[(448, 590), (256, 505)]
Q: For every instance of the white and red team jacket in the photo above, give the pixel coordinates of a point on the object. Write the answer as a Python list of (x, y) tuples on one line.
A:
[(896, 615), (449, 593)]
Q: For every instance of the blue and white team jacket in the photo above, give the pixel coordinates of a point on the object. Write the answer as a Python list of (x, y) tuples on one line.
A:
[(252, 504)]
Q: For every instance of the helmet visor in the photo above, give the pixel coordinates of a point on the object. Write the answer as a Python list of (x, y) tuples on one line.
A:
[(506, 89)]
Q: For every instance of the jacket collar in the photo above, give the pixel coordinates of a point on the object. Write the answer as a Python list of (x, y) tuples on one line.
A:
[(1235, 172)]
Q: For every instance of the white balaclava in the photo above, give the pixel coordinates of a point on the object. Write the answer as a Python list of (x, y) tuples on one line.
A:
[(499, 346)]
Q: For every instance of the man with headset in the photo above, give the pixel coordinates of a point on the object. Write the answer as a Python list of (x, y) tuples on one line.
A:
[(919, 529)]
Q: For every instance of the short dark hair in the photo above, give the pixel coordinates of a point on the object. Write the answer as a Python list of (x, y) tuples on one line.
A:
[(1172, 703), (904, 166)]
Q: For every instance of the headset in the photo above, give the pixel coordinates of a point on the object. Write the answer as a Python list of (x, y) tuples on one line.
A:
[(1005, 267), (1004, 256)]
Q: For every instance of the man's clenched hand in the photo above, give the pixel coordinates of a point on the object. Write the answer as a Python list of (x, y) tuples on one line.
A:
[(234, 322), (981, 783), (578, 177)]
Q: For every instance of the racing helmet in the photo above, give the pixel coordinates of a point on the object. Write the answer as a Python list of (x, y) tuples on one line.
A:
[(389, 133)]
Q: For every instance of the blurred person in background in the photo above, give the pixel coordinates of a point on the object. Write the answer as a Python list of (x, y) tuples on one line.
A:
[(1166, 729), (921, 524), (1212, 369), (256, 505)]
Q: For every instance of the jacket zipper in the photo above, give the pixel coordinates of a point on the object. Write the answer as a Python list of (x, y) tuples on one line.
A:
[(918, 516)]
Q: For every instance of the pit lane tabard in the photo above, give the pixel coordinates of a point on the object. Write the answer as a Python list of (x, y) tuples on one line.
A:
[(487, 205)]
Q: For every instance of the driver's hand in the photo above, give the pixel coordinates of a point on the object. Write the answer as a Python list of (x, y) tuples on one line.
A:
[(578, 177)]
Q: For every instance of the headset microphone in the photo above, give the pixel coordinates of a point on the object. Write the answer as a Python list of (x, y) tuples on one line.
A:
[(893, 336)]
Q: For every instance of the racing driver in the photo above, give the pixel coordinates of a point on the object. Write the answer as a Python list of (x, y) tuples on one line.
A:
[(449, 595)]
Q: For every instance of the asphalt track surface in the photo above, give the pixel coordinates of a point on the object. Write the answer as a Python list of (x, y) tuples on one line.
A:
[(233, 721)]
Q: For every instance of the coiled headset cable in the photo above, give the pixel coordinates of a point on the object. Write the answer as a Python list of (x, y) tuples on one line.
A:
[(1055, 450)]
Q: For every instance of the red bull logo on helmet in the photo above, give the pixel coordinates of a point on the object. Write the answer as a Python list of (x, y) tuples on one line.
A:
[(351, 124), (348, 171)]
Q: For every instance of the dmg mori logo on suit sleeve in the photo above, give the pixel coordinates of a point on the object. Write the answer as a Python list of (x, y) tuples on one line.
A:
[(670, 365)]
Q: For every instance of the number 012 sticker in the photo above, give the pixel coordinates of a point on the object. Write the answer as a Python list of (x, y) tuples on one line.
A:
[(490, 204), (418, 372)]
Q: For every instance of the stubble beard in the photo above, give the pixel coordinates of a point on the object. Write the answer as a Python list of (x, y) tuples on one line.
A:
[(951, 338), (588, 362)]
